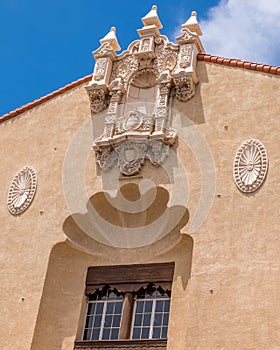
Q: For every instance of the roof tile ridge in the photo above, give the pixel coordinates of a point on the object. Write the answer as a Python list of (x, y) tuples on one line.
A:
[(233, 62), (45, 98)]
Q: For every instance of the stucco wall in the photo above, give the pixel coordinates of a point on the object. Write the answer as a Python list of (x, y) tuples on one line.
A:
[(226, 284)]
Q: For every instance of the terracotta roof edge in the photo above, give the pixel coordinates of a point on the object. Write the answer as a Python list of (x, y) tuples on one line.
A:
[(233, 62), (45, 98)]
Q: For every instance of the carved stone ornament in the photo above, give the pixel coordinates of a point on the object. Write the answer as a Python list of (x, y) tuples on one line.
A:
[(22, 190), (153, 70), (250, 166)]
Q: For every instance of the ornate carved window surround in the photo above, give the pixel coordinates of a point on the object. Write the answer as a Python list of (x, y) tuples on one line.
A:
[(127, 280), (153, 63)]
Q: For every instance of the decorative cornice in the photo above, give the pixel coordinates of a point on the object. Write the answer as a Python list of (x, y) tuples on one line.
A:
[(232, 62)]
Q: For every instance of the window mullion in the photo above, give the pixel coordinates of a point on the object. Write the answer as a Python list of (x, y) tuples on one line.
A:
[(152, 319), (127, 313), (103, 320)]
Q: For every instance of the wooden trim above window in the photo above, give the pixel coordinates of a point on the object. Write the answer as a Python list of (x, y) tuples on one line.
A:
[(129, 277)]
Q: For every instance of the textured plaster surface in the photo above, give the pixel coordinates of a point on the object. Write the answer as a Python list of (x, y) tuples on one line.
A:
[(226, 286)]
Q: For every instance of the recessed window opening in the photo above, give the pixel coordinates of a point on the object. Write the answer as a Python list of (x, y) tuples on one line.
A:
[(103, 318), (151, 313), (127, 302)]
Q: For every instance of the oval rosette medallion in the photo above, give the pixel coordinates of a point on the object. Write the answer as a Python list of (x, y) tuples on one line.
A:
[(22, 190), (250, 166)]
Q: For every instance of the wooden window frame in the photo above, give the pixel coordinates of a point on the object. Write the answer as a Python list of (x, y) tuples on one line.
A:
[(128, 280)]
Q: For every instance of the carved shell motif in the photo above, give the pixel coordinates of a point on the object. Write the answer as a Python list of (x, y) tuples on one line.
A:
[(22, 190), (250, 166)]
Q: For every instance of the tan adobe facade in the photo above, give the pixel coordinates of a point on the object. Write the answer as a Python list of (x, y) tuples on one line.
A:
[(180, 189)]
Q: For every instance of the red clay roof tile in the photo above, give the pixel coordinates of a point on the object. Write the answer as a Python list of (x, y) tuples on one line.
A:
[(239, 63)]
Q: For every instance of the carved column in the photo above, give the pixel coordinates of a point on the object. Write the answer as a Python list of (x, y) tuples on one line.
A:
[(105, 56), (126, 316), (161, 112), (116, 89)]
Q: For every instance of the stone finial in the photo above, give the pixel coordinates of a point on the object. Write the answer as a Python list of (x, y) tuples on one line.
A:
[(151, 18), (192, 24), (111, 39), (151, 23)]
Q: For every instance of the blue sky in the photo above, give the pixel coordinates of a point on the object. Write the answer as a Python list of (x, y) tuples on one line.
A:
[(45, 45)]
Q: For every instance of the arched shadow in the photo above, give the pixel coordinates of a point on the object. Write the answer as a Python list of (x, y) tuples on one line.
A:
[(62, 307)]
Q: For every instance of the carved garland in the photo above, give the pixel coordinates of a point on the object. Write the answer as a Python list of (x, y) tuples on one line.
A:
[(22, 190), (250, 166)]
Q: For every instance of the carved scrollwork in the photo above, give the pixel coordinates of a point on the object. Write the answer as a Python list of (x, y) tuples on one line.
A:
[(144, 78), (130, 155), (125, 68), (166, 58), (184, 88), (104, 50), (152, 70), (98, 100), (185, 56), (100, 68)]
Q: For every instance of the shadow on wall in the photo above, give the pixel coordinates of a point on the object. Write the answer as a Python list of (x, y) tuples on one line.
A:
[(128, 220), (60, 307), (194, 108), (61, 313)]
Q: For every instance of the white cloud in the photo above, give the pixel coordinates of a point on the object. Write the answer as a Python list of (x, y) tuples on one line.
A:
[(244, 29)]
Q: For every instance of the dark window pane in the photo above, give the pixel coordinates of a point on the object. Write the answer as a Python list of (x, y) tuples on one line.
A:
[(108, 321), (148, 306), (157, 294), (114, 334), (156, 332), (138, 320), (95, 334), (146, 321), (97, 321), (166, 305), (91, 308), (99, 308), (165, 319), (158, 320), (149, 296), (112, 295), (159, 305), (136, 333), (139, 306), (89, 322), (87, 334), (118, 308), (116, 321), (106, 334), (164, 332), (110, 308), (145, 333)]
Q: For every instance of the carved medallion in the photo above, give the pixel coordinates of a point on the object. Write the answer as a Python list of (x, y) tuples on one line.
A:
[(22, 190), (250, 166)]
